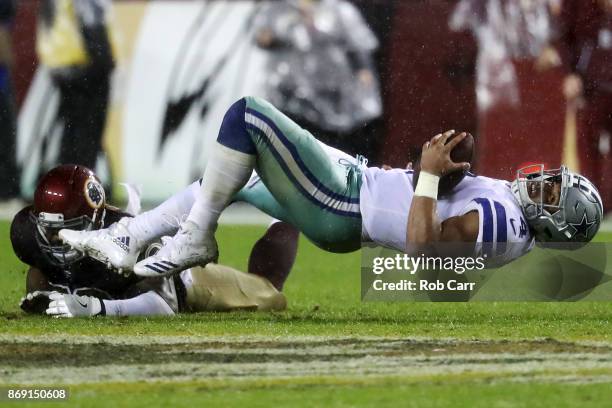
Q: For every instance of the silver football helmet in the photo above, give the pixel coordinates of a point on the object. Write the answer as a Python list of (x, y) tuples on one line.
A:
[(575, 218)]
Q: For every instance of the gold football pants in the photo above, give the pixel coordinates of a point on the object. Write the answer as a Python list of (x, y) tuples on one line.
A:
[(221, 288)]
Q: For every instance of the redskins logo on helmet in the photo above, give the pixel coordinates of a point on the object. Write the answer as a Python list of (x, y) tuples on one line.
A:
[(94, 193)]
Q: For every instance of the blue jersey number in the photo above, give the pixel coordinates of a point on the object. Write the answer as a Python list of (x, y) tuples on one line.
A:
[(522, 227)]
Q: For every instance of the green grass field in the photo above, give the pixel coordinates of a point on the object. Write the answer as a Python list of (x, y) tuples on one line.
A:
[(327, 349)]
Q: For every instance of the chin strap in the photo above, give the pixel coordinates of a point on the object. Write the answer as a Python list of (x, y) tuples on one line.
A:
[(102, 217)]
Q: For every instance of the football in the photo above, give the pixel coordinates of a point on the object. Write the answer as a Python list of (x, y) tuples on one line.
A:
[(463, 152)]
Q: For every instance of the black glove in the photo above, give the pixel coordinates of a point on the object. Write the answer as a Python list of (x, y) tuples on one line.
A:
[(35, 302)]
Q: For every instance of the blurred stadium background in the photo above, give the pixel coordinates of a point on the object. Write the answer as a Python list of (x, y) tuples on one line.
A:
[(180, 64)]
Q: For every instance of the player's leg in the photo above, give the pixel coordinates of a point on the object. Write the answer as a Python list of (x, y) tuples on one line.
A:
[(221, 288), (273, 255), (214, 288), (318, 192), (319, 196), (256, 193), (120, 244)]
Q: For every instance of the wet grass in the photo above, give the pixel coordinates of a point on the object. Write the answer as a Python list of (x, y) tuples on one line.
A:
[(323, 294), (324, 304)]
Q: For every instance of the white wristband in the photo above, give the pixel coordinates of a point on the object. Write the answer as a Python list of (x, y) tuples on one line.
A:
[(427, 186)]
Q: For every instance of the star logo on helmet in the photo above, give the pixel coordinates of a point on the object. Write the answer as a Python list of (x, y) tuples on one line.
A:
[(583, 227)]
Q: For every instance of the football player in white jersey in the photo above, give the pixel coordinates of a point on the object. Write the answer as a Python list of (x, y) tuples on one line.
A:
[(337, 204)]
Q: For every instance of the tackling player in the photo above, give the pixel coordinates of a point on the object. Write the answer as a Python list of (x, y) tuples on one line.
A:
[(64, 282), (338, 204)]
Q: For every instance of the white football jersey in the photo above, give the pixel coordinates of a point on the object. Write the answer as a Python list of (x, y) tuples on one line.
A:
[(386, 196)]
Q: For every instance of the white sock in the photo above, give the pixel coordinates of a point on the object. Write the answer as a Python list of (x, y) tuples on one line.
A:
[(226, 173), (166, 217), (147, 304)]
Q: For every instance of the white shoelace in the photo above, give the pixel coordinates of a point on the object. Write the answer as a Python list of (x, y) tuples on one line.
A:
[(169, 244), (173, 220)]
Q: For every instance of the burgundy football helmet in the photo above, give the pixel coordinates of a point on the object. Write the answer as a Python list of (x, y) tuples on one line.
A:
[(68, 196)]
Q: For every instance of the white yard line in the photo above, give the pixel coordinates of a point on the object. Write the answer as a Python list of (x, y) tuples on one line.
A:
[(551, 365), (280, 340), (307, 357)]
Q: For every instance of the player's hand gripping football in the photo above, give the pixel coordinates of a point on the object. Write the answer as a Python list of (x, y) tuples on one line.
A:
[(435, 158)]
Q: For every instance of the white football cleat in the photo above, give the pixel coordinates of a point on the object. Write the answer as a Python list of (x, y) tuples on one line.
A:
[(114, 246), (189, 247)]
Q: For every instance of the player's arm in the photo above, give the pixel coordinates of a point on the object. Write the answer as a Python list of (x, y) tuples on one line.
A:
[(36, 298), (93, 17), (424, 226), (145, 304), (36, 280)]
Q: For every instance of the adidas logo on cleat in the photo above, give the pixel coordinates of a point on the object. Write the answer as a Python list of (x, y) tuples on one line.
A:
[(123, 243), (161, 266)]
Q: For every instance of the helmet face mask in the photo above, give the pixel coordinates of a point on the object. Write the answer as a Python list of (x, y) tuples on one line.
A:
[(70, 197), (48, 226), (574, 218), (532, 180)]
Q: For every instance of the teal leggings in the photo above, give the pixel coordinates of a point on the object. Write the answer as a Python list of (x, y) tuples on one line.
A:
[(300, 183)]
